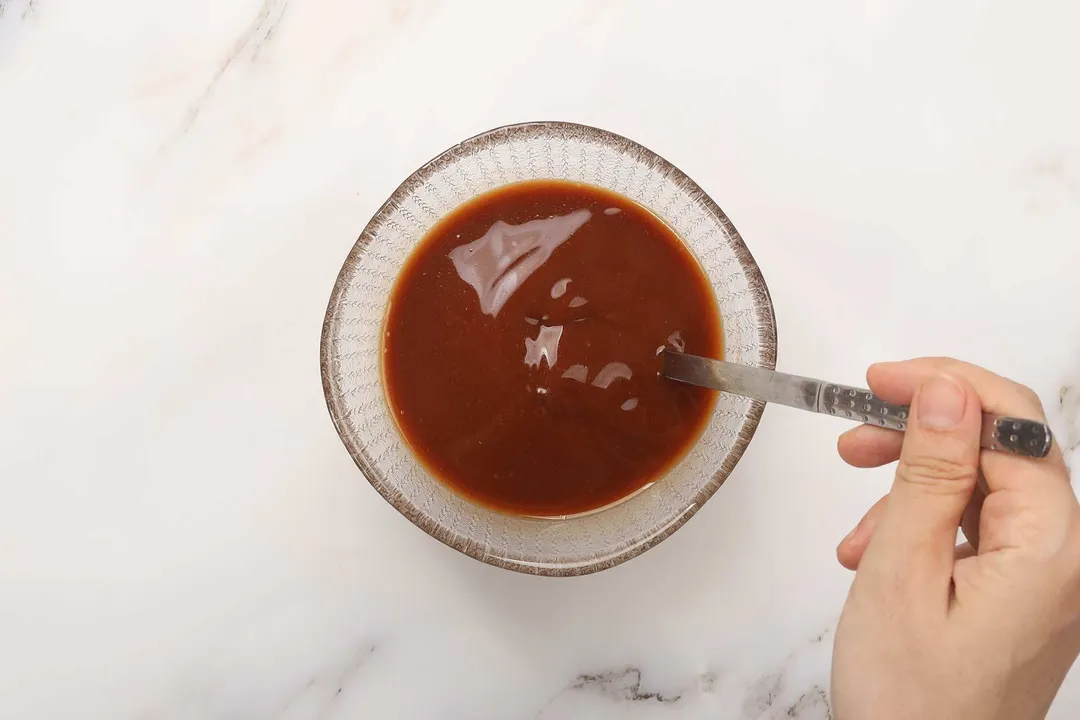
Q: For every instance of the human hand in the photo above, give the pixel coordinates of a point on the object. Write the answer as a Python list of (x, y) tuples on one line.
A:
[(983, 631)]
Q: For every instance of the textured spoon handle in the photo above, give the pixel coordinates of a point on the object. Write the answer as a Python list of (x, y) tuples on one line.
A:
[(1005, 434)]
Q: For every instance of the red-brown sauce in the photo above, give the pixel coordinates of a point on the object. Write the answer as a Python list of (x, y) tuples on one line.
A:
[(521, 348)]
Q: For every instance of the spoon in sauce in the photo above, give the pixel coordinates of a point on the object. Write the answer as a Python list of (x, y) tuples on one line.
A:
[(1029, 438)]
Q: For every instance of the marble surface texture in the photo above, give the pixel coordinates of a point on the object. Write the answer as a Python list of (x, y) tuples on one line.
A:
[(182, 535)]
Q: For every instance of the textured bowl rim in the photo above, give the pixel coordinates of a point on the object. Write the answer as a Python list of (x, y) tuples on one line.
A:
[(766, 336)]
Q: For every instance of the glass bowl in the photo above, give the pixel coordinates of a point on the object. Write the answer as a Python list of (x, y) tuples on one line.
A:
[(353, 327)]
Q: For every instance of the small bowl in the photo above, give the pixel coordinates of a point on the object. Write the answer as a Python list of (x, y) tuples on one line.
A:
[(353, 327)]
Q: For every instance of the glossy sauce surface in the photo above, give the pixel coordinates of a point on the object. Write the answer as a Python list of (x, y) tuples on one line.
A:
[(521, 348)]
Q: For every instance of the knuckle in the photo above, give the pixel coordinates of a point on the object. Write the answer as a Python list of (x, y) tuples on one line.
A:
[(1020, 525), (937, 473), (998, 390), (1029, 396)]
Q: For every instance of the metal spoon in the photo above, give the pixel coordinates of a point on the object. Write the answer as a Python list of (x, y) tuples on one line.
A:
[(1005, 434)]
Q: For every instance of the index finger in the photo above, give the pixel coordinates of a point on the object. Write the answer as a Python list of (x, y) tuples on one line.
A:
[(897, 382)]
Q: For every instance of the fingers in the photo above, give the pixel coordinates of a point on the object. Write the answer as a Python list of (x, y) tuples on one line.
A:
[(897, 381), (969, 522), (1029, 504), (912, 548), (850, 550), (866, 446)]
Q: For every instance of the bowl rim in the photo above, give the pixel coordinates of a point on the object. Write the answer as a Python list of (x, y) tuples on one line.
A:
[(766, 336)]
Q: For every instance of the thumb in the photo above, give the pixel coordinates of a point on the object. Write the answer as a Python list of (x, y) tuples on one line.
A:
[(936, 475)]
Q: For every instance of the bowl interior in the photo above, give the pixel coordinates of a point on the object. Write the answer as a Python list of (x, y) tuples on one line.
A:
[(353, 328)]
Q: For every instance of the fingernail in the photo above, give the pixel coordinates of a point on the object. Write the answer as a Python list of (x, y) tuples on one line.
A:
[(850, 534), (941, 403)]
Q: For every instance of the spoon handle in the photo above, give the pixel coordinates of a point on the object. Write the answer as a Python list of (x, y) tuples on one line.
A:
[(1005, 434), (1029, 438)]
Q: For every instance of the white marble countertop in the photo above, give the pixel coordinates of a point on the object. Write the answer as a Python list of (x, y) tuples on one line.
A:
[(182, 535)]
